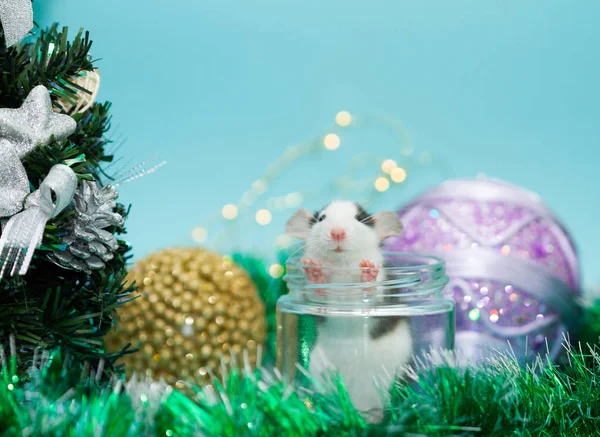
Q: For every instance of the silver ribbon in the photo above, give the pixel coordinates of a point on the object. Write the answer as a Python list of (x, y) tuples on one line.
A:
[(22, 130), (17, 19), (522, 274), (23, 233)]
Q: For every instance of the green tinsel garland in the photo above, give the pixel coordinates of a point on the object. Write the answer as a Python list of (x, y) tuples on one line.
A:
[(498, 399)]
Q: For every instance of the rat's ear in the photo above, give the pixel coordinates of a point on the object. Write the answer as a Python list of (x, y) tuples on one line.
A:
[(299, 224), (387, 224)]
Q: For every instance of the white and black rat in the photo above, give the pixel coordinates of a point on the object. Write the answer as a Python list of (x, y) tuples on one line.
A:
[(343, 235)]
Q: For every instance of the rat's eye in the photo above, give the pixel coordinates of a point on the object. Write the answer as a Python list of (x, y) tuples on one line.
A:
[(321, 218)]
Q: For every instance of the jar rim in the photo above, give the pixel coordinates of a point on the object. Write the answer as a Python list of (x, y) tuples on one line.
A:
[(428, 263), (414, 275)]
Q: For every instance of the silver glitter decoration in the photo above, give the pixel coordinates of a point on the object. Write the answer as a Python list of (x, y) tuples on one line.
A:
[(34, 122), (17, 19), (21, 131), (88, 244), (23, 233), (14, 185)]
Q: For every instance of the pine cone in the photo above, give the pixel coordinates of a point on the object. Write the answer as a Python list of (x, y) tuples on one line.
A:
[(88, 244)]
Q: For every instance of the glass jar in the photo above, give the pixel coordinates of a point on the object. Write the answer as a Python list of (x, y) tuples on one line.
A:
[(365, 331)]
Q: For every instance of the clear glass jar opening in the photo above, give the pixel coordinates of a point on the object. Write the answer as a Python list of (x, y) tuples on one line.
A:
[(402, 276)]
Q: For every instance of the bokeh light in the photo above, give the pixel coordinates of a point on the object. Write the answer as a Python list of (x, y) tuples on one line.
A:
[(230, 211), (284, 241), (263, 217), (343, 118), (293, 200), (474, 314), (398, 175), (259, 186), (276, 270), (388, 165), (331, 141), (494, 316), (199, 235), (382, 184)]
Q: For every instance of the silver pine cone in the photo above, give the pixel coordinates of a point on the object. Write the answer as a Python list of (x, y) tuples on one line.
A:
[(88, 244)]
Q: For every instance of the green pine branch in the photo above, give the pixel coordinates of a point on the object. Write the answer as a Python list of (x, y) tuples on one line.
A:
[(52, 307), (53, 61)]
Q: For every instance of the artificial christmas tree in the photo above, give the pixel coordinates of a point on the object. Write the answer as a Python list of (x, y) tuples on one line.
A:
[(62, 261)]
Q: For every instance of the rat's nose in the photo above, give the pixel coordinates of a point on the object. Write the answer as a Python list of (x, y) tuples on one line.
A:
[(338, 234)]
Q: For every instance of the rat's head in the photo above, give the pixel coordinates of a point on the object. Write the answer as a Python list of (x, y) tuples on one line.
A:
[(343, 227)]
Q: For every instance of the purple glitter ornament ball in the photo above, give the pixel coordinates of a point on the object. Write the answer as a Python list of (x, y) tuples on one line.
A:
[(513, 267)]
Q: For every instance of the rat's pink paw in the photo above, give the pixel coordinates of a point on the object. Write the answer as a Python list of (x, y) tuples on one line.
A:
[(314, 274), (369, 271)]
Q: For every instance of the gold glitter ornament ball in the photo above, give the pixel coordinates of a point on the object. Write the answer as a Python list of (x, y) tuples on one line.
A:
[(195, 308)]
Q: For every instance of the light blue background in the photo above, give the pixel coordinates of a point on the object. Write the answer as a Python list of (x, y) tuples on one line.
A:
[(219, 88)]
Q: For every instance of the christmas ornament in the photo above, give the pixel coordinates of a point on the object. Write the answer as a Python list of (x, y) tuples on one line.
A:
[(88, 244), (21, 131), (17, 19), (195, 309), (512, 265), (82, 101)]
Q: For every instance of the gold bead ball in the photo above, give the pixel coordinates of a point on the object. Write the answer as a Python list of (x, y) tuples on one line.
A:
[(195, 309)]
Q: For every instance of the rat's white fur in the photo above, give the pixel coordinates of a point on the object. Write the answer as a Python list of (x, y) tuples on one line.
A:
[(345, 343), (361, 242), (365, 364)]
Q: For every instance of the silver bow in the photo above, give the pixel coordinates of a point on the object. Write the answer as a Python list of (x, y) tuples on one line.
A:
[(23, 233), (17, 19), (21, 131)]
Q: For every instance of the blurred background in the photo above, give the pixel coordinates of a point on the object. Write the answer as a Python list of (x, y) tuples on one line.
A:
[(231, 93)]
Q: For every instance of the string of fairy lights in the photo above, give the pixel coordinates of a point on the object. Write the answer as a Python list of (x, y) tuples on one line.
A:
[(388, 175)]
